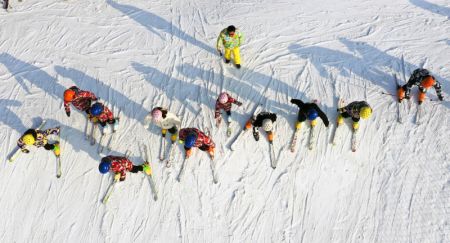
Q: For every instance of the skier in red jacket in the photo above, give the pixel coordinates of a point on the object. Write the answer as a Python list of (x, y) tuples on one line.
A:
[(192, 137), (120, 165), (101, 114), (224, 102), (80, 99)]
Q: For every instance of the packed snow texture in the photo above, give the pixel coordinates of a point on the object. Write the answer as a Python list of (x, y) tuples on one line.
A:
[(138, 54)]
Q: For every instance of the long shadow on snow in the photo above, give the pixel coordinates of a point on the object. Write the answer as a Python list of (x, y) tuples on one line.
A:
[(9, 118), (68, 134), (129, 107), (238, 87), (368, 64), (185, 93), (153, 23), (434, 8), (24, 71)]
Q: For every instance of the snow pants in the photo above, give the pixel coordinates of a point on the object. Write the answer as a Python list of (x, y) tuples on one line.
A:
[(236, 54)]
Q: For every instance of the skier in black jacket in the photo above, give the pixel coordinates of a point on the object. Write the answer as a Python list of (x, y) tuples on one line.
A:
[(309, 111)]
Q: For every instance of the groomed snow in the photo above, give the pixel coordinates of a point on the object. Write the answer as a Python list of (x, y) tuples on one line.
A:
[(138, 54)]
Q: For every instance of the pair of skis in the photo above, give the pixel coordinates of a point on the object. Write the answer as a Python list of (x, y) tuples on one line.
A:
[(212, 165), (273, 157), (112, 136), (229, 126), (312, 138), (338, 131), (151, 180), (163, 152)]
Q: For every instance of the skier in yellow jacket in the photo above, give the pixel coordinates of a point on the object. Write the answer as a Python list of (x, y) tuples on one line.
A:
[(231, 39)]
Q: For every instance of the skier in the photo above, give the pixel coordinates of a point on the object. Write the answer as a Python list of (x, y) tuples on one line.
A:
[(309, 111), (355, 110), (224, 102), (164, 119), (98, 113), (120, 165), (192, 137), (231, 39), (424, 80), (80, 99), (39, 139), (264, 120)]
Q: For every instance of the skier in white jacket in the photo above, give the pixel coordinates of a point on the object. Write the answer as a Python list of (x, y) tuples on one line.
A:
[(165, 120)]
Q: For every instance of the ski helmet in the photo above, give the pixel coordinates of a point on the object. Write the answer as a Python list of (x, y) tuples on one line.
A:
[(190, 140), (223, 98), (428, 82), (157, 115), (267, 125), (28, 139), (69, 94), (96, 109), (312, 114), (365, 112), (104, 165)]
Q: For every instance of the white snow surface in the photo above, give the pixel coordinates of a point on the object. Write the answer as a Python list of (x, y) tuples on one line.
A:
[(138, 54)]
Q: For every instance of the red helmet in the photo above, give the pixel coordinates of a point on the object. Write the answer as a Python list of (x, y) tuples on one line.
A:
[(427, 82), (69, 94)]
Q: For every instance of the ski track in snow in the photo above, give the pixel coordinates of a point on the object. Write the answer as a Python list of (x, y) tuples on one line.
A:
[(139, 54)]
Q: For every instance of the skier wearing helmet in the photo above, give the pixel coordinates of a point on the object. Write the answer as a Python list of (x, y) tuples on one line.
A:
[(309, 111), (80, 99), (424, 80), (39, 139), (224, 102), (120, 165), (101, 114), (231, 39), (355, 110), (264, 120), (192, 137), (164, 119)]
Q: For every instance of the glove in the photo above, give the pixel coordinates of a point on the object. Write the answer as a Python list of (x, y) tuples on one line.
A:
[(146, 168), (68, 113), (117, 177), (256, 135), (220, 52), (238, 103), (440, 97)]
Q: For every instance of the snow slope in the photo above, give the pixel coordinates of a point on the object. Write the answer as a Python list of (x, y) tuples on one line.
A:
[(138, 54)]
